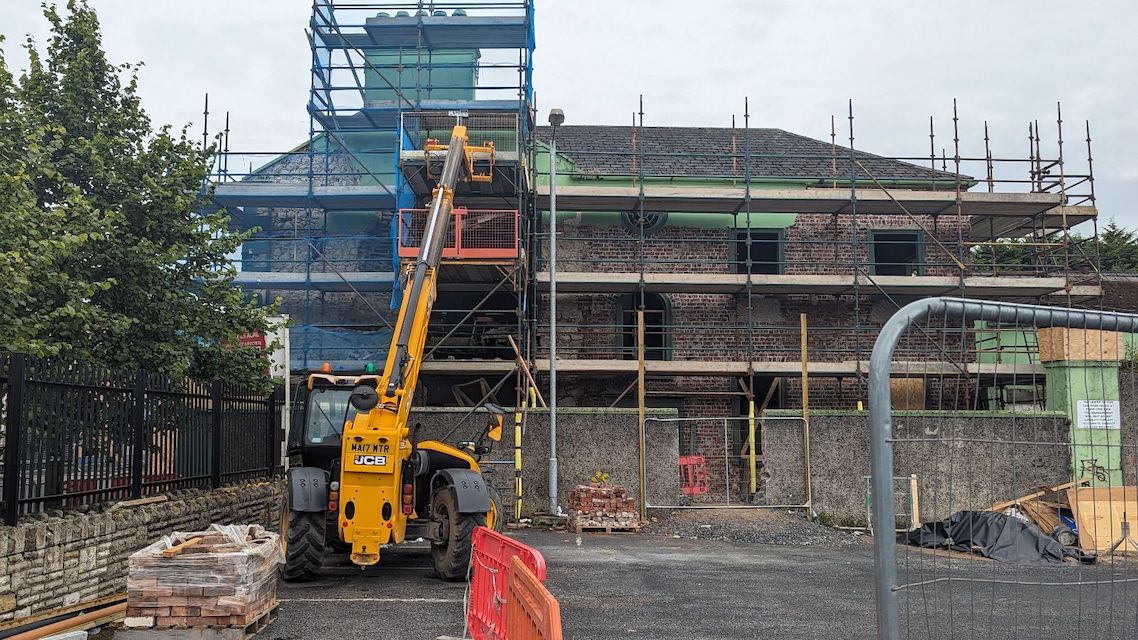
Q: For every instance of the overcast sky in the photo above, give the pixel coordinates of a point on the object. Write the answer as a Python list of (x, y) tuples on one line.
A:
[(798, 61)]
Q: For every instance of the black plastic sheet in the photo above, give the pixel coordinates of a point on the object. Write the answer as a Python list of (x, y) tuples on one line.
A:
[(996, 535)]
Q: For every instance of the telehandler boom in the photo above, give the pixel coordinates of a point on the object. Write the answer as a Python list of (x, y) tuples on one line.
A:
[(364, 481)]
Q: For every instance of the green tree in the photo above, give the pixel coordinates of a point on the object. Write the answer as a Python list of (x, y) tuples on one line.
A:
[(44, 309), (1115, 250), (1118, 249), (128, 202)]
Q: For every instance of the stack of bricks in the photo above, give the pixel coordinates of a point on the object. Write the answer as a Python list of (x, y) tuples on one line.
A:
[(602, 506), (224, 577)]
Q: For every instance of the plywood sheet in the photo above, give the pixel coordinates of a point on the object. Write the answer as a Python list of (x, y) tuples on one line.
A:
[(908, 393), (1063, 343), (1100, 511)]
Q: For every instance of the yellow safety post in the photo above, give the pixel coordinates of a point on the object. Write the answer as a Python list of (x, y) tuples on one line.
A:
[(751, 444), (519, 423)]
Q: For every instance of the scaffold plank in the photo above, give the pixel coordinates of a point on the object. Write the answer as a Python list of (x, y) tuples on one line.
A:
[(731, 283), (720, 368), (300, 195), (727, 199)]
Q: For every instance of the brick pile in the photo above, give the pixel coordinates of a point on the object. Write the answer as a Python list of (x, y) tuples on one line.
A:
[(223, 577), (602, 506)]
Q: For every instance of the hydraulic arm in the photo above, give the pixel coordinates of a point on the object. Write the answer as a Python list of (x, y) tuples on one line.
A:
[(376, 475)]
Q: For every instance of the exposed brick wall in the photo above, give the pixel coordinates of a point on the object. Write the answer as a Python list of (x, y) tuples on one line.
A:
[(721, 327), (817, 243), (615, 248), (58, 560)]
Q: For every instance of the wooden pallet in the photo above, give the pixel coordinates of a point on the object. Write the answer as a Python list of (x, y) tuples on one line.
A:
[(203, 633), (608, 528)]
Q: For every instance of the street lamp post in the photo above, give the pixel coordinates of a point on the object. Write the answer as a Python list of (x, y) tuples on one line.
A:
[(556, 117)]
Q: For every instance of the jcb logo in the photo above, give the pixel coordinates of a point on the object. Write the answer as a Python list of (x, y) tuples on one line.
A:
[(371, 461)]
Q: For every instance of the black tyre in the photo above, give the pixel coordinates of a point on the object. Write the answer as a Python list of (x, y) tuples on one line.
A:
[(451, 555), (496, 517), (302, 535)]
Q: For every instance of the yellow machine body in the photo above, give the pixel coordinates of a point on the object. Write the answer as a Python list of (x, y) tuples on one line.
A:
[(376, 446)]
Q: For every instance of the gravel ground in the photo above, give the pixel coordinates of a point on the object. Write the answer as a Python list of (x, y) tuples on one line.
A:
[(762, 526)]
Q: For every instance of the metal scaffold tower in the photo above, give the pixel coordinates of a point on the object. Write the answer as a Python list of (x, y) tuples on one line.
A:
[(335, 216)]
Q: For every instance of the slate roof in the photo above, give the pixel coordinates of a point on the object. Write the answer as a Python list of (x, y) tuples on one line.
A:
[(1120, 291), (774, 153)]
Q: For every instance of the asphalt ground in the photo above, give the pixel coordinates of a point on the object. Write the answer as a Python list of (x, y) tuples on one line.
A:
[(645, 586)]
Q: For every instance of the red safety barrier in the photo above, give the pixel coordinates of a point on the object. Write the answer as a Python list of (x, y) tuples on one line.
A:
[(490, 564), (532, 613), (693, 475)]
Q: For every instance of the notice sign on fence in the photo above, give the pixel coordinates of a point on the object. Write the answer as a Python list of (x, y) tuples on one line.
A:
[(1097, 414)]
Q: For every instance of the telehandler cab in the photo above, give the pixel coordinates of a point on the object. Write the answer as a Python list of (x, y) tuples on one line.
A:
[(362, 478)]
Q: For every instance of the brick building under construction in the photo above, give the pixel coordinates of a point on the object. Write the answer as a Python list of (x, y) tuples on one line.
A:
[(730, 243)]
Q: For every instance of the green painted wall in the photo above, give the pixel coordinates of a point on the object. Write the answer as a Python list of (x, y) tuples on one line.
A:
[(1076, 388), (440, 74)]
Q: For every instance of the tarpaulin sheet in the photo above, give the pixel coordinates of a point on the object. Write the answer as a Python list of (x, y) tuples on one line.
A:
[(996, 535)]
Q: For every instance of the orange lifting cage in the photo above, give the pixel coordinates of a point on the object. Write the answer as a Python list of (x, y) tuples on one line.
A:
[(473, 234)]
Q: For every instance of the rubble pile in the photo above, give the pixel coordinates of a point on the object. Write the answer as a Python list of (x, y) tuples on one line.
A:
[(602, 506)]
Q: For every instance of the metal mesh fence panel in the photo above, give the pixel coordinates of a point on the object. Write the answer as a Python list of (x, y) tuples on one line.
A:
[(1017, 441)]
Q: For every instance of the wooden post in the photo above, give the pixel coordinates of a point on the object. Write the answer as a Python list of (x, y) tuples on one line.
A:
[(640, 395), (914, 504), (525, 369), (751, 444), (806, 418)]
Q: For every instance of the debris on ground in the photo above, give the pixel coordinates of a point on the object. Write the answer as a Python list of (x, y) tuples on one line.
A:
[(541, 520), (1041, 527), (993, 535), (762, 526), (602, 506)]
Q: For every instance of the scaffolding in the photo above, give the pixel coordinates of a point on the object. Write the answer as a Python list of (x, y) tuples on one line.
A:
[(763, 224), (762, 218), (386, 79)]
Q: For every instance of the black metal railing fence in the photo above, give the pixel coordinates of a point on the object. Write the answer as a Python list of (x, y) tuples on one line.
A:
[(72, 434)]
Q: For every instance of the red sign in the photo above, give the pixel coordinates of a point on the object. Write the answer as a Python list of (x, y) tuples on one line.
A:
[(252, 340)]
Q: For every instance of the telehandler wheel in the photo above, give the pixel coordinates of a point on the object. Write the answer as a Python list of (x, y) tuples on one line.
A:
[(303, 536), (451, 556), (496, 517)]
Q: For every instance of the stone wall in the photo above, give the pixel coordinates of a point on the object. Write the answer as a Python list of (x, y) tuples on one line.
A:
[(956, 455), (51, 561), (588, 440)]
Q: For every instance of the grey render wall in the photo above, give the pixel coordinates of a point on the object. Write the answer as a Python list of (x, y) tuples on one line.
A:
[(959, 462), (588, 440), (53, 561), (1128, 412)]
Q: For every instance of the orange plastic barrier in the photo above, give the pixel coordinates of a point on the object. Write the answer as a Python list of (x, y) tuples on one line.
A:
[(490, 563), (532, 613), (693, 475)]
